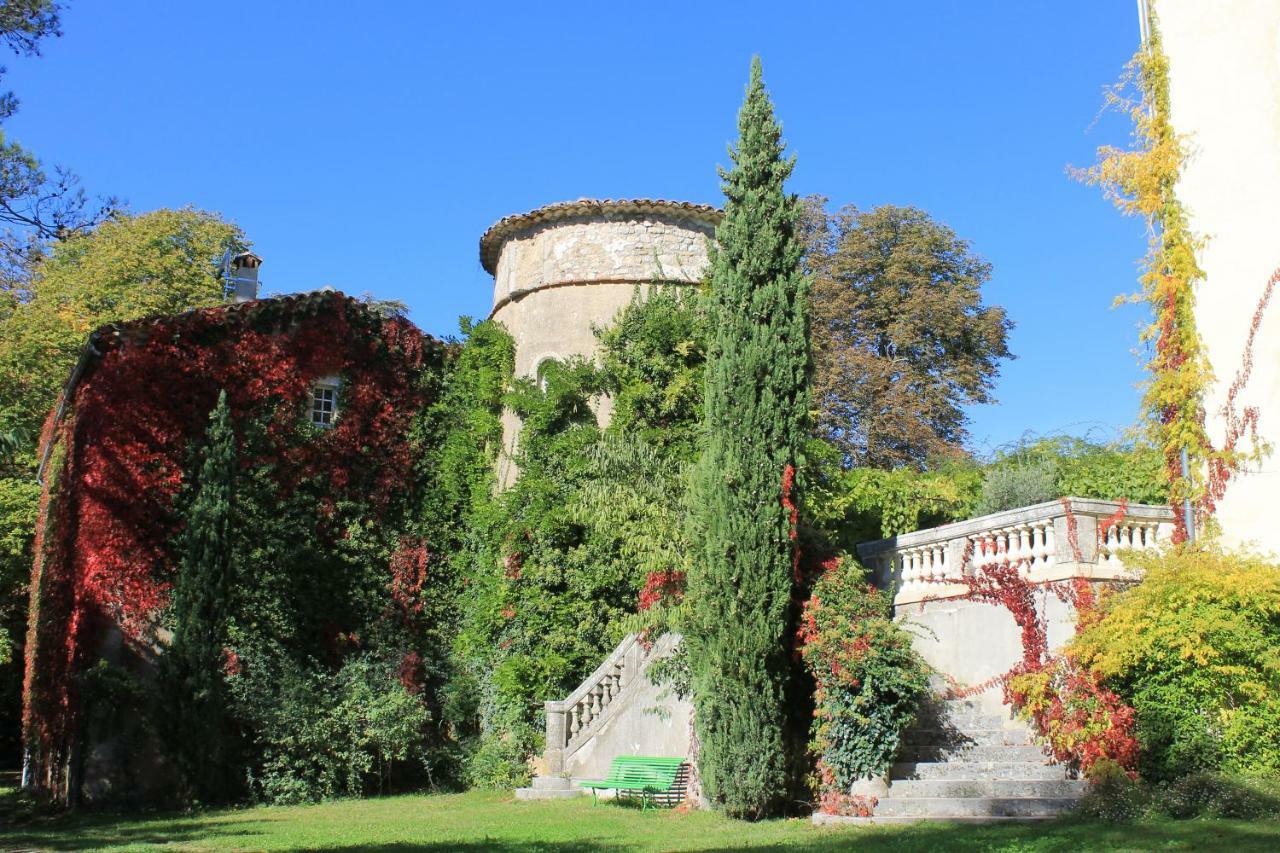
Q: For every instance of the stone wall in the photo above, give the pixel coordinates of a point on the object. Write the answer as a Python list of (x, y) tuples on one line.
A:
[(566, 269), (1224, 92)]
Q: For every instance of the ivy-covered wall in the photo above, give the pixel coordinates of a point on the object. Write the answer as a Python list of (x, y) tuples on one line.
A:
[(329, 502)]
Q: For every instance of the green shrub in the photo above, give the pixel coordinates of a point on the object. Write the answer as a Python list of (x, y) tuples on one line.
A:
[(869, 679), (1013, 486), (1195, 649), (1114, 797), (329, 736), (1037, 470)]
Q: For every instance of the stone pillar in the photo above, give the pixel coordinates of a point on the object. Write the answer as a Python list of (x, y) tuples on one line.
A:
[(1085, 537), (556, 731)]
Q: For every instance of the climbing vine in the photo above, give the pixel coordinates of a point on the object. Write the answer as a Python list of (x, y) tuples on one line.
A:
[(1081, 720), (1142, 180), (115, 502)]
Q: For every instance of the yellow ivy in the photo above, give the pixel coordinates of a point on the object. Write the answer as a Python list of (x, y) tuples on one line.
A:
[(1141, 180)]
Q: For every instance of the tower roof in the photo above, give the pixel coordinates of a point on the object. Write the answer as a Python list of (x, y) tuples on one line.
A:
[(498, 233)]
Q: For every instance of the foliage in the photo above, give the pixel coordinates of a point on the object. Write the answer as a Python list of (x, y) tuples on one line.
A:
[(556, 563), (755, 425), (1142, 180), (869, 680), (1116, 797), (343, 735), (162, 262), (652, 362), (1194, 649), (35, 207), (1013, 486), (1076, 467), (317, 534), (857, 505), (194, 666), (902, 341)]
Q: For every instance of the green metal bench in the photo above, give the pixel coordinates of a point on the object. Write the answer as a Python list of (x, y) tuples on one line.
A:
[(647, 776)]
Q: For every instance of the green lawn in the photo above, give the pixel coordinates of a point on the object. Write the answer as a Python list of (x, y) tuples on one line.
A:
[(494, 821)]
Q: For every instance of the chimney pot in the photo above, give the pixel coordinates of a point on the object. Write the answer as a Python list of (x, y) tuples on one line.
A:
[(244, 277)]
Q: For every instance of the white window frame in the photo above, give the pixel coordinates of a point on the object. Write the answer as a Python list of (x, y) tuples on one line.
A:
[(332, 386)]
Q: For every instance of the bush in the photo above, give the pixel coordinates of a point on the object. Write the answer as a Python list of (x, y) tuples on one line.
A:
[(1114, 797), (1034, 471), (341, 735), (1013, 486), (869, 679), (1194, 648)]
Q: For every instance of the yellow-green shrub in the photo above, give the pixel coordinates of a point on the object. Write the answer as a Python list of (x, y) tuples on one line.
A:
[(1195, 648)]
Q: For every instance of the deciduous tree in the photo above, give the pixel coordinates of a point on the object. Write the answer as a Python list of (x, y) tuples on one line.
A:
[(902, 341)]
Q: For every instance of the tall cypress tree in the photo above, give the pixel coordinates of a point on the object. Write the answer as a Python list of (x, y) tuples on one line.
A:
[(201, 595), (755, 419)]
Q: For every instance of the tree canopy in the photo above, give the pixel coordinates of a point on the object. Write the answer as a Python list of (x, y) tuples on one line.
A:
[(901, 338)]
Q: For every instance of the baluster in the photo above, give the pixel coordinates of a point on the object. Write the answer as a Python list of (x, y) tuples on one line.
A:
[(1110, 543), (1026, 552), (1011, 553), (575, 720), (1050, 544), (1037, 546)]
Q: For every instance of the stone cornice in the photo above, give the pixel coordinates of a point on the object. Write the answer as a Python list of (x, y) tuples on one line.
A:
[(492, 241)]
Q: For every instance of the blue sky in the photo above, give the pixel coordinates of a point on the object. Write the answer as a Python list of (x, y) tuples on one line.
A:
[(368, 145)]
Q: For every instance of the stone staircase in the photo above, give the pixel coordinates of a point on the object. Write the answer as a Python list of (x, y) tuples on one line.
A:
[(963, 762)]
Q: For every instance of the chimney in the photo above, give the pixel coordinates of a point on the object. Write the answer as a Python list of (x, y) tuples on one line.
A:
[(243, 283)]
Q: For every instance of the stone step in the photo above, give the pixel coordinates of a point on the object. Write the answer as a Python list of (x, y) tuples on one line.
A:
[(977, 770), (963, 788), (966, 737), (1033, 754), (549, 794), (967, 721), (820, 819), (551, 783), (945, 808)]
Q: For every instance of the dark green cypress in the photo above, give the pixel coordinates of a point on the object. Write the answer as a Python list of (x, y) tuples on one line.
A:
[(755, 420), (201, 595)]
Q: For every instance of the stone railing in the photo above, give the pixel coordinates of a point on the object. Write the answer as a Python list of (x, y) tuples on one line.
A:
[(571, 722), (1051, 541)]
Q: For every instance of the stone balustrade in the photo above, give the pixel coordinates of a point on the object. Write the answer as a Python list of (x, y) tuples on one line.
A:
[(1056, 540), (572, 721)]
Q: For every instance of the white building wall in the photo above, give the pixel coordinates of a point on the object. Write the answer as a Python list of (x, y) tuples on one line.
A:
[(1224, 89)]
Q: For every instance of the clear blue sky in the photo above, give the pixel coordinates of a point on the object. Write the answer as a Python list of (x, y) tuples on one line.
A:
[(367, 145)]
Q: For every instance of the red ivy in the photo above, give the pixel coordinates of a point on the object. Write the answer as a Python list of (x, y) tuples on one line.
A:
[(140, 404)]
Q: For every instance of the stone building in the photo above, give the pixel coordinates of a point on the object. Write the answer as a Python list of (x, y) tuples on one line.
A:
[(564, 269), (1224, 102)]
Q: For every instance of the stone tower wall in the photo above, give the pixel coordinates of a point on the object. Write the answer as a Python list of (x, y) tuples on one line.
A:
[(563, 270)]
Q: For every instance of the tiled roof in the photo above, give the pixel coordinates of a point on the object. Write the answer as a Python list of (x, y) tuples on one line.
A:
[(492, 239), (230, 313)]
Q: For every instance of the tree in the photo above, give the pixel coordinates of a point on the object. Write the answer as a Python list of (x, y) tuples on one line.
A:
[(901, 338), (755, 423), (35, 206), (132, 266), (199, 612)]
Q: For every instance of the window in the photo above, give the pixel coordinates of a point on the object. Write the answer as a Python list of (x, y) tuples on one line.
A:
[(324, 403), (540, 372)]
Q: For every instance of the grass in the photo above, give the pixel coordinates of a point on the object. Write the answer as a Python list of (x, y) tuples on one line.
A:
[(485, 820)]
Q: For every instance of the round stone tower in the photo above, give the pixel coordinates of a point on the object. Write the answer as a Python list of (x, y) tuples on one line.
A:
[(564, 268)]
